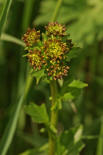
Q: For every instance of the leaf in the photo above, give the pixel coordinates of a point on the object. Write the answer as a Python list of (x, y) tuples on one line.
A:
[(78, 84), (69, 11), (4, 14), (78, 134), (37, 113), (38, 75), (38, 151), (71, 140), (33, 152), (67, 96), (75, 52), (100, 140), (11, 126), (89, 23), (9, 38)]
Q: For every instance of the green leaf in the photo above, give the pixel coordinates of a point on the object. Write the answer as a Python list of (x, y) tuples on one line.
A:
[(100, 140), (37, 113), (11, 126), (75, 52), (78, 84), (43, 150), (38, 75), (9, 38), (91, 17), (4, 14), (69, 11), (33, 152), (78, 134), (67, 96), (70, 141)]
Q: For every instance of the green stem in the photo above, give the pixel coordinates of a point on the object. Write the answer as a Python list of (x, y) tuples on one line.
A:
[(54, 107), (4, 15), (56, 10), (54, 117), (100, 140)]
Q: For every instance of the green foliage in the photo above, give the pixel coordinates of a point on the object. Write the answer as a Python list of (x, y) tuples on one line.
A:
[(38, 75), (37, 113), (9, 38), (39, 151), (70, 142), (86, 15), (67, 96), (65, 14), (4, 14), (78, 84), (89, 23), (83, 19)]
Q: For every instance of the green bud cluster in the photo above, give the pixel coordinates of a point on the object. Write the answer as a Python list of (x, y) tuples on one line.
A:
[(50, 52)]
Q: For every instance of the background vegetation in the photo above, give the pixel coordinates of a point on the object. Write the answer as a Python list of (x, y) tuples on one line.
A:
[(84, 21)]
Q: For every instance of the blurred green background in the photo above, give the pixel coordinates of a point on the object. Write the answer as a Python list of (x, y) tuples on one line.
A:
[(84, 22)]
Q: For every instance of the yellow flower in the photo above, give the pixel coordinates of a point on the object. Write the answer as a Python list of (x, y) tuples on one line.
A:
[(55, 29), (31, 37)]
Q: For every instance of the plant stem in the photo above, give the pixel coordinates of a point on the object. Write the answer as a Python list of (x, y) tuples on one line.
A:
[(56, 10), (100, 140), (54, 117), (4, 15), (53, 88)]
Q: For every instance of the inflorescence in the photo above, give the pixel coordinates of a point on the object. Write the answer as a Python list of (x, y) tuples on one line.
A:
[(50, 52)]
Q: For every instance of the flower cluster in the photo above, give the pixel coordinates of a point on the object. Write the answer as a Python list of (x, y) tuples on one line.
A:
[(50, 53), (55, 29), (31, 37)]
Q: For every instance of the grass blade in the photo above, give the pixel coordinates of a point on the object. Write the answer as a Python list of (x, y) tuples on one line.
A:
[(9, 38), (11, 126), (4, 14), (100, 140)]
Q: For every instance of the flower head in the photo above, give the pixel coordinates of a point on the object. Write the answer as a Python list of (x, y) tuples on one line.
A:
[(31, 37), (55, 29), (35, 59), (55, 48), (51, 51)]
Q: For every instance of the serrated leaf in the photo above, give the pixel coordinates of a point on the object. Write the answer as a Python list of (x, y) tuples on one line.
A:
[(37, 113), (78, 84)]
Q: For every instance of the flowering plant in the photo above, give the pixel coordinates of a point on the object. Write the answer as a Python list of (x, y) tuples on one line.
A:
[(49, 50)]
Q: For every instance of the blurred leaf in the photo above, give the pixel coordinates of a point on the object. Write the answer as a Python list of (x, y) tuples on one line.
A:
[(12, 123), (38, 113), (69, 10), (70, 141), (4, 14), (38, 151), (89, 23), (33, 152), (78, 84), (78, 134), (9, 38), (75, 52), (100, 140), (67, 96)]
